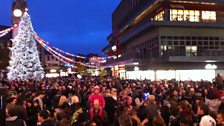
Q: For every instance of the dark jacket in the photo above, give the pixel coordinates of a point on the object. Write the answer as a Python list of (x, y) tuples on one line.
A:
[(15, 121), (48, 123)]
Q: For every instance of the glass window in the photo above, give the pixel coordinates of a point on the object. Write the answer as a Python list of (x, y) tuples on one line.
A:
[(208, 16), (169, 43), (216, 42), (184, 15), (222, 43), (188, 43), (191, 50), (182, 43), (176, 43), (211, 43), (163, 37), (159, 16), (194, 43)]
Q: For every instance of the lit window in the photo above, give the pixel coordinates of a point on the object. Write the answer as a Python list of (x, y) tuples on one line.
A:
[(191, 50), (159, 16), (184, 15), (208, 16)]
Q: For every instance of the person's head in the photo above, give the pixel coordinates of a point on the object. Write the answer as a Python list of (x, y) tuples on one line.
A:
[(96, 104), (36, 103), (183, 105), (41, 95), (92, 123), (192, 90), (151, 99), (186, 118), (11, 110), (158, 121), (62, 100), (96, 89), (129, 100), (202, 109), (43, 115), (125, 120), (174, 110), (13, 100), (29, 103), (58, 114), (175, 93), (220, 118), (107, 92), (113, 92)]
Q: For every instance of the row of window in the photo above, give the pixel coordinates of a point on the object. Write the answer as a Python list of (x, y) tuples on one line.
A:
[(187, 15), (191, 38), (202, 43), (191, 51), (51, 58)]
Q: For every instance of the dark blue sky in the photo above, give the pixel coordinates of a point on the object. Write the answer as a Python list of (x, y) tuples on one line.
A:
[(77, 26)]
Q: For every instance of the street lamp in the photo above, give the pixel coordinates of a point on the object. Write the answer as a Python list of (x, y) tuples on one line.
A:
[(17, 13)]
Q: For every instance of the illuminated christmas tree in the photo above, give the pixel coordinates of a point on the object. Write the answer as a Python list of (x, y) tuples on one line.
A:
[(25, 63)]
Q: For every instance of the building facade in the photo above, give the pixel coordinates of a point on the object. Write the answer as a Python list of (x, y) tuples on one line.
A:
[(5, 42), (164, 39)]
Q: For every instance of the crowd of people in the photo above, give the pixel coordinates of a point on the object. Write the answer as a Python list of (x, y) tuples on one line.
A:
[(108, 101)]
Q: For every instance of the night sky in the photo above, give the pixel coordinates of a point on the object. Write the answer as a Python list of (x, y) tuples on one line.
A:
[(76, 26)]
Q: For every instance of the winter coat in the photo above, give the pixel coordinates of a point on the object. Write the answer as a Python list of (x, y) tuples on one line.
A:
[(99, 97), (213, 105), (15, 121)]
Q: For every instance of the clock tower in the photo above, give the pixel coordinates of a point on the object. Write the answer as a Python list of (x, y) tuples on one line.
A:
[(18, 8)]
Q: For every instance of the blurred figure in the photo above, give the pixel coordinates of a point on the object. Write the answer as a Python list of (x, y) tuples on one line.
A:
[(220, 119), (44, 119), (12, 118), (204, 117)]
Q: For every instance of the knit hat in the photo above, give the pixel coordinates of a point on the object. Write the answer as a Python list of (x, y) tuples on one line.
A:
[(97, 88)]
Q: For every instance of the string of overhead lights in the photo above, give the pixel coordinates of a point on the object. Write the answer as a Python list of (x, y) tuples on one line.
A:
[(59, 56), (6, 31), (69, 54), (44, 45), (52, 51)]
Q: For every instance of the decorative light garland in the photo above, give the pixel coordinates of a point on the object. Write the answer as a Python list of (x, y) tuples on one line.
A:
[(6, 31), (59, 56), (43, 44), (67, 53), (52, 51)]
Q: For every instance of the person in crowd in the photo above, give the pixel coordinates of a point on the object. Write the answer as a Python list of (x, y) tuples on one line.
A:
[(60, 118), (63, 102), (220, 118), (158, 121), (12, 118), (204, 118), (113, 102), (44, 119), (32, 110), (39, 98), (97, 110), (213, 99), (111, 105), (97, 95), (152, 110)]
